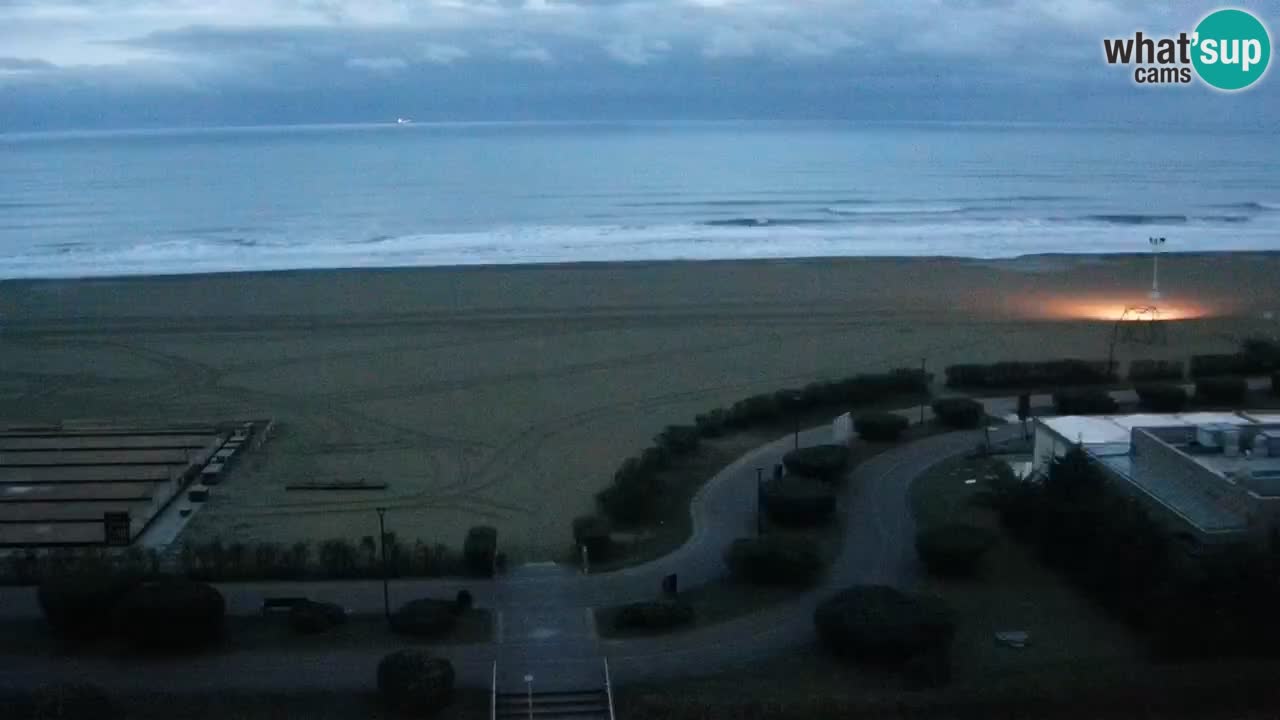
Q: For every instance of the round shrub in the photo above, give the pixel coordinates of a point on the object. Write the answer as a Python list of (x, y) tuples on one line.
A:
[(959, 412), (1221, 390), (1162, 397), (595, 533), (463, 602), (796, 500), (1084, 402), (953, 550), (310, 617), (171, 614), (880, 426), (774, 560), (425, 617), (881, 624), (653, 615), (817, 461), (411, 681), (80, 605), (480, 549)]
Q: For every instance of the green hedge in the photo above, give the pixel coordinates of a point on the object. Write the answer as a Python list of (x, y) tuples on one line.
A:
[(425, 618), (959, 412), (1045, 373), (1221, 390), (171, 614), (795, 500), (774, 560), (880, 623), (415, 683), (823, 462), (1084, 402), (480, 549), (1162, 397), (1144, 370), (880, 426), (653, 615), (954, 550)]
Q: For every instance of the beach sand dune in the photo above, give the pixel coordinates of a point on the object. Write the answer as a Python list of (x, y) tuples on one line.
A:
[(507, 395)]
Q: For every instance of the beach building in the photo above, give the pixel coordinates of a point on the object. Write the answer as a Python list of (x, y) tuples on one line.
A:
[(1211, 477)]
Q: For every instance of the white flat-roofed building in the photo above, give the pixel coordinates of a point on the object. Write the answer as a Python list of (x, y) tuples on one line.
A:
[(1214, 476)]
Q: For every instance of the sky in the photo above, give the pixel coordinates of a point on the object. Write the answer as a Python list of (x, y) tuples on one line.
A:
[(146, 63)]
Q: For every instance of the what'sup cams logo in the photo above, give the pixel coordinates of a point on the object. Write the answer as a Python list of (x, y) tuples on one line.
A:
[(1229, 50)]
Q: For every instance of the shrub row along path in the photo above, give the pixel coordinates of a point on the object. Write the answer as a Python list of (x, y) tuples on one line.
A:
[(543, 614)]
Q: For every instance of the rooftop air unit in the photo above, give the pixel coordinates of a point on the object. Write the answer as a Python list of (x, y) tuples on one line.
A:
[(1209, 436), (1231, 441)]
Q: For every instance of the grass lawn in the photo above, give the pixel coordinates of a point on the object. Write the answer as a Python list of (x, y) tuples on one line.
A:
[(1013, 591)]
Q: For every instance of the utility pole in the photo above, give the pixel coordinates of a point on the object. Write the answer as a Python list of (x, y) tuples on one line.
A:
[(382, 543), (923, 375)]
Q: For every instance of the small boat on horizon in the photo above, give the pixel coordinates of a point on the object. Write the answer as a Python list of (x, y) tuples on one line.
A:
[(403, 121)]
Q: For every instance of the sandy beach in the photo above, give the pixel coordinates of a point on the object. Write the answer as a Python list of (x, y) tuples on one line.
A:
[(507, 395)]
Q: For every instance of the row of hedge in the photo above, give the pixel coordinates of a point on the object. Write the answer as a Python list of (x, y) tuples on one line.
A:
[(169, 613), (1030, 374), (1156, 397), (335, 558), (635, 495)]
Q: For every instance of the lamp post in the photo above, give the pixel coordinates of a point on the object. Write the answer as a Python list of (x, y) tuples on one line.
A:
[(528, 681), (1156, 242), (382, 543), (923, 375), (759, 490)]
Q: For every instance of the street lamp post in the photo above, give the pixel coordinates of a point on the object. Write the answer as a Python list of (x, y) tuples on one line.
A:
[(528, 681), (923, 375), (1156, 242), (382, 543)]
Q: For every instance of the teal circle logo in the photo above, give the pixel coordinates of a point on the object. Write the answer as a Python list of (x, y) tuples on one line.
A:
[(1232, 49)]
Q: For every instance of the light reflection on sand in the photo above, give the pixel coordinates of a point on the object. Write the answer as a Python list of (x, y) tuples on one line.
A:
[(1112, 309)]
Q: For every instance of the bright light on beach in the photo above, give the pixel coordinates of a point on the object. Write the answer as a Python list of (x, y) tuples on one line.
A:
[(1112, 310)]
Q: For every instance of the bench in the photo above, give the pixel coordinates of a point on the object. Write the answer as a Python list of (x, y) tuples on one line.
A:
[(276, 604)]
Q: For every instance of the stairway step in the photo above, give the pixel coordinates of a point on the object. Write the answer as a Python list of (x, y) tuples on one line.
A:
[(551, 713)]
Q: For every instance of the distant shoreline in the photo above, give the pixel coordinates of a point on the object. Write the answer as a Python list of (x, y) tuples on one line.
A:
[(1010, 262)]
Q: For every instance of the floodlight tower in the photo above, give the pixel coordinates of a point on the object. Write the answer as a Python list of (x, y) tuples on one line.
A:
[(1156, 242)]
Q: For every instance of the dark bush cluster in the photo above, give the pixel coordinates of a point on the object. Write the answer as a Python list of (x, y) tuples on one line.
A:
[(338, 558), (954, 550), (959, 412), (63, 701), (1162, 397), (1084, 402), (636, 494), (654, 615), (82, 605), (771, 560), (480, 550), (877, 623), (415, 683), (880, 426), (595, 534), (310, 617), (824, 462), (1275, 383), (795, 500), (1037, 374), (171, 614), (425, 618), (1240, 363), (1221, 390), (1148, 370)]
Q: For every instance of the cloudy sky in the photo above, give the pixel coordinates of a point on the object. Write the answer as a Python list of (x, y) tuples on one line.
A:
[(124, 63)]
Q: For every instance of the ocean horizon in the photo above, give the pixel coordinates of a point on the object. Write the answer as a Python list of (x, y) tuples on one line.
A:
[(176, 201)]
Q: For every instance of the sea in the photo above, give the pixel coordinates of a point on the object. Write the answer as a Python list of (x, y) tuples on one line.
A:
[(77, 204)]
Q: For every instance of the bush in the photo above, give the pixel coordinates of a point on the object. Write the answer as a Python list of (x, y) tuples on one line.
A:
[(1141, 370), (80, 605), (594, 533), (774, 561), (1084, 402), (310, 617), (711, 424), (818, 461), (480, 549), (69, 701), (1046, 373), (678, 439), (959, 412), (653, 615), (953, 550), (171, 614), (880, 426), (928, 670), (413, 682), (753, 410), (796, 500), (463, 602), (425, 618), (1225, 364), (1275, 383), (1221, 390), (1162, 397), (880, 623)]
